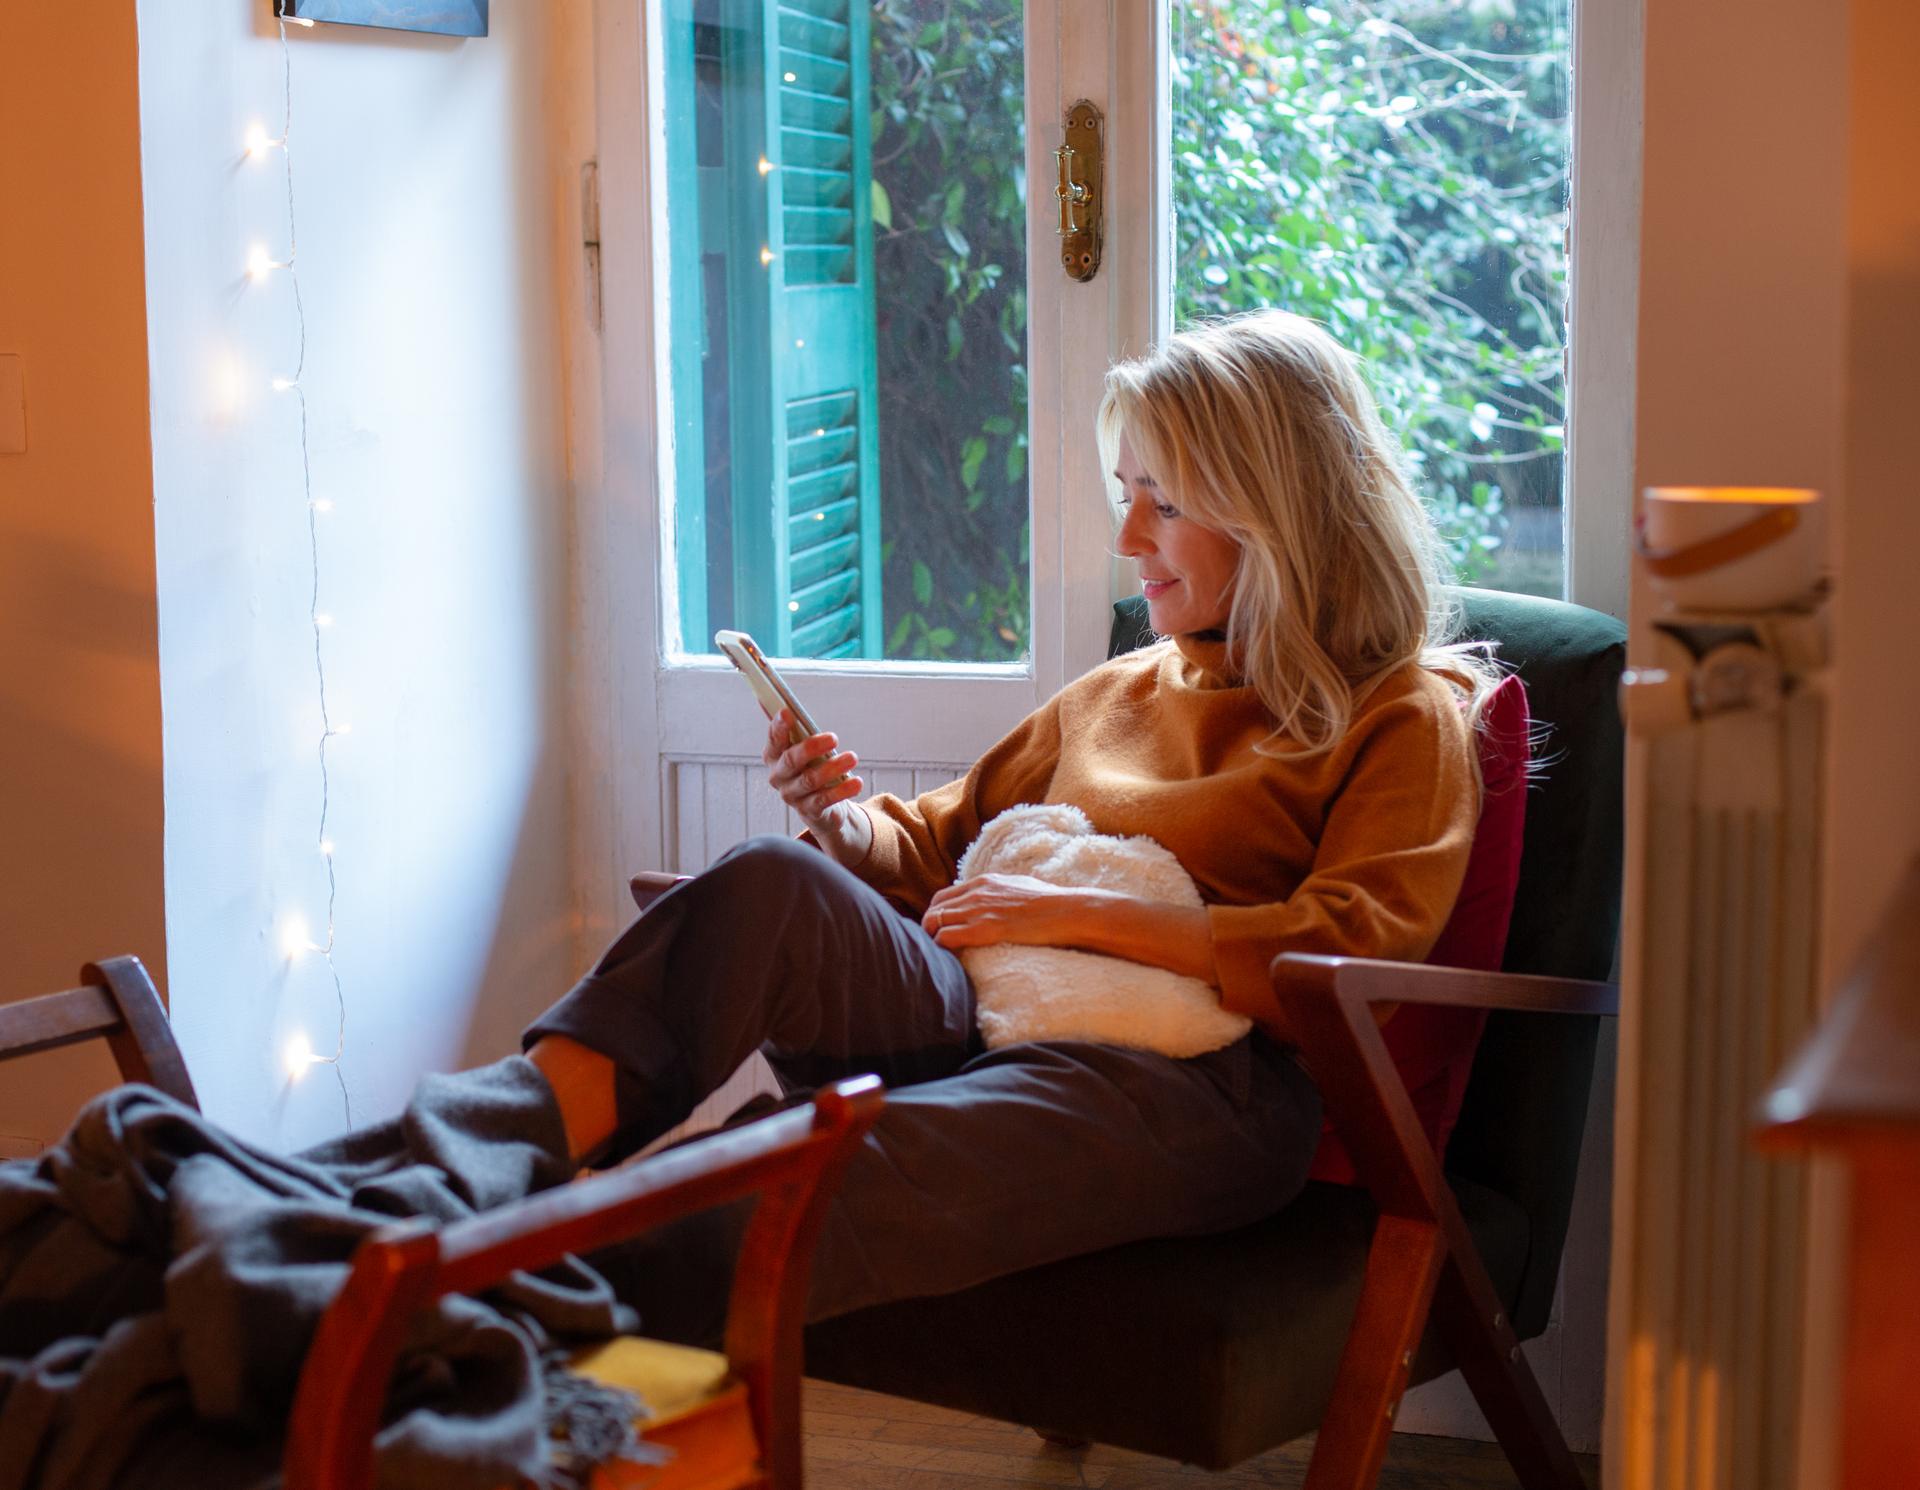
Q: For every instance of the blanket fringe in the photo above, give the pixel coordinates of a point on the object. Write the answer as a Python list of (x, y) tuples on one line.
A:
[(590, 1424)]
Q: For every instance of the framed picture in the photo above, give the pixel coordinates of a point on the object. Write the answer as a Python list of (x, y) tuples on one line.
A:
[(445, 17)]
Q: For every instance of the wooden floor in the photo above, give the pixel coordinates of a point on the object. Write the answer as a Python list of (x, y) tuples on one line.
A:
[(862, 1441)]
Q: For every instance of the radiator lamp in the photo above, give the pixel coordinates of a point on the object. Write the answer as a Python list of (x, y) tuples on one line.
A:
[(1732, 548), (1738, 574)]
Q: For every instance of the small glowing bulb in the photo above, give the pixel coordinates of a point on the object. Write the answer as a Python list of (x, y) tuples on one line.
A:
[(341, 729), (799, 341), (766, 255), (790, 77), (821, 431), (300, 21), (765, 165), (323, 504), (281, 385), (326, 848), (295, 938), (298, 1055), (819, 517), (258, 141), (226, 387), (322, 618), (793, 605)]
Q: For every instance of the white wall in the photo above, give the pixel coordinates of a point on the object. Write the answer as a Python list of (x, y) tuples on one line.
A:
[(435, 231), (79, 667)]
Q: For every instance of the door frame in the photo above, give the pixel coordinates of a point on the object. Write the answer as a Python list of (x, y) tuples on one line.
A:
[(628, 718)]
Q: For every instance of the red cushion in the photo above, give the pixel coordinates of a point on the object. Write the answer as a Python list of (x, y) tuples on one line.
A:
[(1433, 1047)]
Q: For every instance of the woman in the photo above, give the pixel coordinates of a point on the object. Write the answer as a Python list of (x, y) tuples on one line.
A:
[(1302, 740)]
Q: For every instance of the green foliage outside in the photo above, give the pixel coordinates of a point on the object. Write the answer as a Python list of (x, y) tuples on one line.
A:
[(1393, 168), (949, 230)]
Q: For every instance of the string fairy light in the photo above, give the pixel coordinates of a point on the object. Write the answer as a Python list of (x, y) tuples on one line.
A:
[(298, 1055)]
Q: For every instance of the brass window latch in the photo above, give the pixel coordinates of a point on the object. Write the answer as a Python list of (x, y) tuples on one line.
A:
[(1080, 192)]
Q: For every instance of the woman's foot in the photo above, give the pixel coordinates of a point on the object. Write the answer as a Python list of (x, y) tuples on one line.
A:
[(582, 1082)]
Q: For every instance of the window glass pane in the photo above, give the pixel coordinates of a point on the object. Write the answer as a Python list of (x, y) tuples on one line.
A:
[(845, 188), (1397, 169)]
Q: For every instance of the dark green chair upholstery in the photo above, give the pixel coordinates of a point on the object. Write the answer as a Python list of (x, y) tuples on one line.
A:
[(1212, 1349)]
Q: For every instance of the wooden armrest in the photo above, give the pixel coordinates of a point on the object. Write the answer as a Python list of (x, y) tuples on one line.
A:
[(116, 1002), (1376, 982), (1327, 1004), (649, 885), (793, 1159), (29, 1026)]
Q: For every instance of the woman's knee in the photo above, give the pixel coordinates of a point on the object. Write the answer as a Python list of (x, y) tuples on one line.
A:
[(768, 864)]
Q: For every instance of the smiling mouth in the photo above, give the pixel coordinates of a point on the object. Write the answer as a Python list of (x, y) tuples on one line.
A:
[(1151, 587)]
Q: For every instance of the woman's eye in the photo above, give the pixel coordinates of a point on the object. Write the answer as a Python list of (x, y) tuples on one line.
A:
[(1161, 509)]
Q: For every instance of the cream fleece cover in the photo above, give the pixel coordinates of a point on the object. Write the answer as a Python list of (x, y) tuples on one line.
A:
[(1056, 993)]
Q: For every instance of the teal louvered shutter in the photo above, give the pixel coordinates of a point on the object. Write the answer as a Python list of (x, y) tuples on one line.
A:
[(824, 331), (779, 529)]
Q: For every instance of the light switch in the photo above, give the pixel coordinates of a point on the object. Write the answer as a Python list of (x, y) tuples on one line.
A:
[(13, 405)]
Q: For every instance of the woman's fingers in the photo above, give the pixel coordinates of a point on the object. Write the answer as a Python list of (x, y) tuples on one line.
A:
[(992, 908), (815, 804), (780, 742), (947, 910), (813, 786), (786, 760), (779, 734), (812, 761), (820, 772), (798, 757)]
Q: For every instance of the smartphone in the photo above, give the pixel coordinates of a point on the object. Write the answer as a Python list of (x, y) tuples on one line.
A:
[(768, 686)]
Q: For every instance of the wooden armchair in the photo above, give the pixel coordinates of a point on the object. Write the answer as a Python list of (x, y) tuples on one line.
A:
[(1212, 1349), (732, 1420)]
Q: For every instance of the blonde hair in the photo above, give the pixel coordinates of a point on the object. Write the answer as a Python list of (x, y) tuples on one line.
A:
[(1261, 427)]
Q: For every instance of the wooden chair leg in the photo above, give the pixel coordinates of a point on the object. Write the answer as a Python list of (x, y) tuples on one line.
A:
[(1475, 1326), (1403, 1265)]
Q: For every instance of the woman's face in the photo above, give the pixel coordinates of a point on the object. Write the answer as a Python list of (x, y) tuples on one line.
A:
[(1186, 571)]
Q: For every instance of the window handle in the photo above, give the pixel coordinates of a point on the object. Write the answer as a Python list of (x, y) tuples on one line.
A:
[(1078, 192)]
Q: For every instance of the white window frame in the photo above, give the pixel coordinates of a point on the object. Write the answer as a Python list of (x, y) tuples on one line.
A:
[(1603, 305)]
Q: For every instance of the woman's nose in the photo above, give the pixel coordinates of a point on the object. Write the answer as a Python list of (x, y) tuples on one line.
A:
[(1131, 543)]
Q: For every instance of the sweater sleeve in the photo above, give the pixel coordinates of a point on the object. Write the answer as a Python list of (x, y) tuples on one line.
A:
[(1389, 861), (917, 844)]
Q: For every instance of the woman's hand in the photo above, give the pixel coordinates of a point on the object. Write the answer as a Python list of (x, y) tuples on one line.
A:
[(1016, 908), (802, 774)]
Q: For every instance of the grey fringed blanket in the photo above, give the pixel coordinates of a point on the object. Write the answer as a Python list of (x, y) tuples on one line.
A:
[(160, 1282)]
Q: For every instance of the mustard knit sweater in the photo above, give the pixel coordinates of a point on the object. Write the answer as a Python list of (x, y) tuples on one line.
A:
[(1359, 851)]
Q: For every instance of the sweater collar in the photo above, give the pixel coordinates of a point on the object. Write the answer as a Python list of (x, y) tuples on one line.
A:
[(1206, 653)]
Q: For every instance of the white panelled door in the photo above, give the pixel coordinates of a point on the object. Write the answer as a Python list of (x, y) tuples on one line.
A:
[(720, 205)]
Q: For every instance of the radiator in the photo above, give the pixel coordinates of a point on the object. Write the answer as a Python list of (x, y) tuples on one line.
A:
[(1725, 781), (713, 802)]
